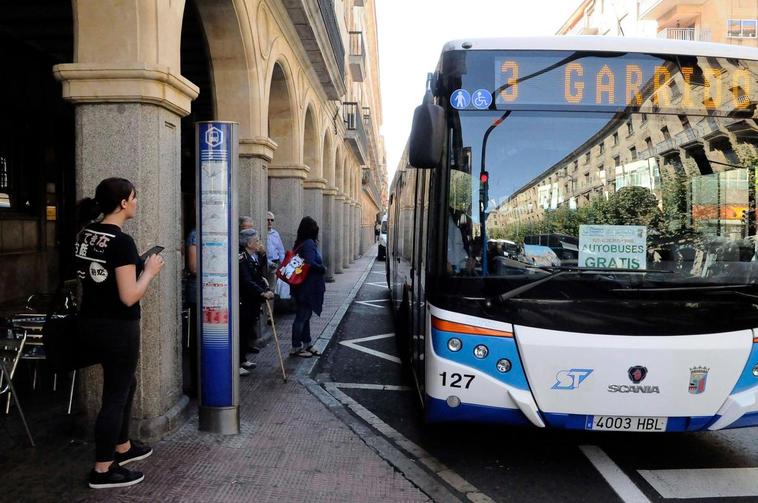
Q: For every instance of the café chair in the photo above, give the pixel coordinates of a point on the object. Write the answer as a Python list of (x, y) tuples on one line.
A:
[(11, 349)]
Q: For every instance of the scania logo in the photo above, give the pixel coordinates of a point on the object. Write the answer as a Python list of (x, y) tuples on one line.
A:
[(637, 374), (624, 388)]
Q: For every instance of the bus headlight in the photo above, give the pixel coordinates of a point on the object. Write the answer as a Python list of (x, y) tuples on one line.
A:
[(454, 344), (453, 401), (503, 365), (481, 351), (755, 371)]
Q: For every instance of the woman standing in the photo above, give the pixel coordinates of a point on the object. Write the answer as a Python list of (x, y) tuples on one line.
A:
[(309, 296), (114, 279)]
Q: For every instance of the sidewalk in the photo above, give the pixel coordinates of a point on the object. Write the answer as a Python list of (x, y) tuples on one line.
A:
[(291, 447)]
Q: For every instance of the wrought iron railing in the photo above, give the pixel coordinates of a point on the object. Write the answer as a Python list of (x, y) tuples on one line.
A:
[(352, 114)]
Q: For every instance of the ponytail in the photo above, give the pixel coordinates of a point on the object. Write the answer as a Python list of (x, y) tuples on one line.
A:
[(87, 211)]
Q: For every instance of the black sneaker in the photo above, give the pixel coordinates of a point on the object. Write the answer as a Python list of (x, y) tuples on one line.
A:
[(137, 451), (116, 476)]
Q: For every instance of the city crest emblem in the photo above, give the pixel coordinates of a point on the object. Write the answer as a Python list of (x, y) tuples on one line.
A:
[(698, 377)]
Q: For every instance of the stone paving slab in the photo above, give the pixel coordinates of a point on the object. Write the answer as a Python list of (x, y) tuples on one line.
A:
[(291, 448)]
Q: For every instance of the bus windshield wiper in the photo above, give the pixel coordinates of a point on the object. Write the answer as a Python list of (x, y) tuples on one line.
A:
[(691, 288), (562, 270)]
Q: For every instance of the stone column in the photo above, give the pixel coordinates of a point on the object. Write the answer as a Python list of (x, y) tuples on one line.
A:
[(313, 203), (328, 231), (354, 229), (361, 229), (252, 192), (358, 230), (346, 233), (338, 233), (285, 198), (128, 124)]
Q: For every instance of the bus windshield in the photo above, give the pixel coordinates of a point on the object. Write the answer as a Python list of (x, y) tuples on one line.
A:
[(601, 162)]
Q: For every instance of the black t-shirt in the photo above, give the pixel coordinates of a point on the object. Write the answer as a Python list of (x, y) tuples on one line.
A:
[(99, 250)]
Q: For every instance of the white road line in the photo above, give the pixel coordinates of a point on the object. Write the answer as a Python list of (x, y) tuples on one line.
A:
[(703, 483), (378, 284), (456, 481), (373, 337), (612, 474), (353, 344), (322, 341), (377, 272), (381, 387), (371, 302)]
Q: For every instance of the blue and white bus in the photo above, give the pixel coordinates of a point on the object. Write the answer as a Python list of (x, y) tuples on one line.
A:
[(573, 235)]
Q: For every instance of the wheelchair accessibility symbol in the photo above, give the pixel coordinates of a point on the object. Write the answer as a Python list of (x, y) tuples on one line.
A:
[(481, 99)]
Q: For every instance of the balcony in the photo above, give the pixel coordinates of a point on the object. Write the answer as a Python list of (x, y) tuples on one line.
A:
[(316, 25), (371, 186), (356, 133), (692, 34), (357, 56), (653, 10)]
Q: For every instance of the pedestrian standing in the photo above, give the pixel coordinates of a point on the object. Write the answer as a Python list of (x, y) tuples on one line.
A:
[(274, 245), (114, 279), (309, 296), (275, 251), (254, 290)]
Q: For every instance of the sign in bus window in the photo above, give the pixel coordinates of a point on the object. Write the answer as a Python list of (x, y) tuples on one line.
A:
[(613, 246)]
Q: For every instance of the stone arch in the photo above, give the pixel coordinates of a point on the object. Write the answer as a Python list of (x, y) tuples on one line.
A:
[(281, 113), (235, 73), (311, 154)]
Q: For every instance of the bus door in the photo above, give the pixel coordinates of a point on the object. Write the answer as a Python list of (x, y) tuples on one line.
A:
[(418, 272), (393, 242)]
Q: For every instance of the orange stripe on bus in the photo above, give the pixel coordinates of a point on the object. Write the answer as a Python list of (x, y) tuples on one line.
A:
[(755, 340), (460, 328)]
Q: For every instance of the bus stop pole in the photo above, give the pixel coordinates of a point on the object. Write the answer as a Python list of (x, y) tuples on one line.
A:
[(218, 297)]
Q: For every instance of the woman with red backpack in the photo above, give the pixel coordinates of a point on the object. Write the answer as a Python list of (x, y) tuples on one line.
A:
[(309, 295)]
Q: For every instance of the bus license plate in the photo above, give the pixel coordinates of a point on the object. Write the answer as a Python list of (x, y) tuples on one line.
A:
[(626, 423)]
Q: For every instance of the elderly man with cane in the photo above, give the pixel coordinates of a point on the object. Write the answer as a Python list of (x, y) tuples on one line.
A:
[(253, 291)]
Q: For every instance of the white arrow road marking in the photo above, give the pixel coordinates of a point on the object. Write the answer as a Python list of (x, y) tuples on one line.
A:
[(371, 303), (703, 483), (615, 476), (353, 344), (379, 284)]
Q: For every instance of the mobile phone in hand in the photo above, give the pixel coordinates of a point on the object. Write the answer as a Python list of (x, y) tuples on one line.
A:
[(152, 251)]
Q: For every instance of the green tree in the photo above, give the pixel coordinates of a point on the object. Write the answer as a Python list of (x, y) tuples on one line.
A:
[(627, 206)]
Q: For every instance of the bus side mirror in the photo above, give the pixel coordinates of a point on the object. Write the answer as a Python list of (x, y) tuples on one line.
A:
[(427, 136)]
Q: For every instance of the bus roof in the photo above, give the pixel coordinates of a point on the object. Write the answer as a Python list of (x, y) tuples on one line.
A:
[(607, 44)]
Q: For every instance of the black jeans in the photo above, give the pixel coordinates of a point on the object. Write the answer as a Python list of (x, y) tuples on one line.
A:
[(301, 327), (115, 344), (248, 329)]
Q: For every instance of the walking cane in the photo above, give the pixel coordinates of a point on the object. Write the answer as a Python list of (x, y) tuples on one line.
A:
[(276, 339)]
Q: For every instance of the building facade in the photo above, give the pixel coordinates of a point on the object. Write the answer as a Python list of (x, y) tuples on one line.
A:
[(722, 21), (112, 88)]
